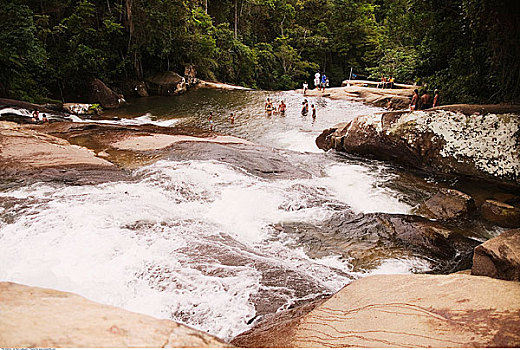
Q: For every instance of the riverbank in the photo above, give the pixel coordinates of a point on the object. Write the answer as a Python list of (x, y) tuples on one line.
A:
[(393, 99)]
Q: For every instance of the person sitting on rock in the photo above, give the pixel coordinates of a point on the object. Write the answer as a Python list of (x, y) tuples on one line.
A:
[(391, 82), (383, 82), (436, 98), (426, 101), (415, 100)]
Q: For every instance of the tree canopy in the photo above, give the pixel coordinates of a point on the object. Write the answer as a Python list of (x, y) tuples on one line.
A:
[(468, 49)]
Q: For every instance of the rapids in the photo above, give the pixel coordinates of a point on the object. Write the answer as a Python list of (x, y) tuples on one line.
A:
[(201, 241)]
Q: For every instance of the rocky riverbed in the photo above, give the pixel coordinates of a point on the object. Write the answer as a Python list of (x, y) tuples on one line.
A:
[(416, 310)]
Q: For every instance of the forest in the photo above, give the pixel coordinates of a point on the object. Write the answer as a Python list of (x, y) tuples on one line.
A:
[(468, 49)]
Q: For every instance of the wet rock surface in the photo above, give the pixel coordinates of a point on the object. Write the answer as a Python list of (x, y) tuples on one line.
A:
[(256, 160), (401, 311), (282, 287), (499, 213), (26, 154), (499, 257), (482, 146), (36, 317), (91, 153), (446, 205), (398, 98), (367, 239)]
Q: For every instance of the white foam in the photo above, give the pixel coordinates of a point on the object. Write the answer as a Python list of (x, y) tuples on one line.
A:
[(18, 111), (356, 186), (142, 120), (23, 112), (401, 266), (136, 244)]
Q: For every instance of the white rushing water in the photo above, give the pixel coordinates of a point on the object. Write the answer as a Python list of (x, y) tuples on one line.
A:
[(191, 240)]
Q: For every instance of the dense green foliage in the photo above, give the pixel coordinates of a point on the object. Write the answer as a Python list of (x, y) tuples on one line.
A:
[(469, 49)]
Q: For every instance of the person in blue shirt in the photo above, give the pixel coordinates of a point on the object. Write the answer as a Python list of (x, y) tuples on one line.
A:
[(323, 81)]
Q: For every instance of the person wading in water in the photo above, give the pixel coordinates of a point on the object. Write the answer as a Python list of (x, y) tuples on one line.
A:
[(305, 107), (282, 108)]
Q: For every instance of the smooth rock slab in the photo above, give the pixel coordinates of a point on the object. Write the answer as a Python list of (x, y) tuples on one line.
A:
[(403, 311), (36, 317), (499, 257)]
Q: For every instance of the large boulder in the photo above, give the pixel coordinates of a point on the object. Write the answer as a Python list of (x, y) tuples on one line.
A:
[(485, 146), (402, 311), (102, 94), (166, 84), (190, 74), (42, 318), (447, 204), (499, 213), (499, 257)]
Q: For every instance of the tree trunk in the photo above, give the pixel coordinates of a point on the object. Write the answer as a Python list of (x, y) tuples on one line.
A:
[(236, 19), (206, 6)]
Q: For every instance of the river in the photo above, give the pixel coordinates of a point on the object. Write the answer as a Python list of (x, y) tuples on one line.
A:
[(204, 242)]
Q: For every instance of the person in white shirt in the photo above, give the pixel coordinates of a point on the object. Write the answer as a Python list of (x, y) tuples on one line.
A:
[(317, 79)]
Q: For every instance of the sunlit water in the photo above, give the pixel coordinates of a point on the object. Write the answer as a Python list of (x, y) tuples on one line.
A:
[(195, 241)]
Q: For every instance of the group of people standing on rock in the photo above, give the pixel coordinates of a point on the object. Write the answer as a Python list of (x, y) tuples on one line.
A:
[(424, 101), (320, 82)]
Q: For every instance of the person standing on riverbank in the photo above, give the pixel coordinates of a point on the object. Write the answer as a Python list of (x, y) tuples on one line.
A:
[(305, 87), (323, 82), (313, 112), (210, 121), (232, 118), (317, 78)]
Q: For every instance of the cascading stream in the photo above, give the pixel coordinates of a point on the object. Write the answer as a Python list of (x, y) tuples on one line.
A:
[(202, 241)]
